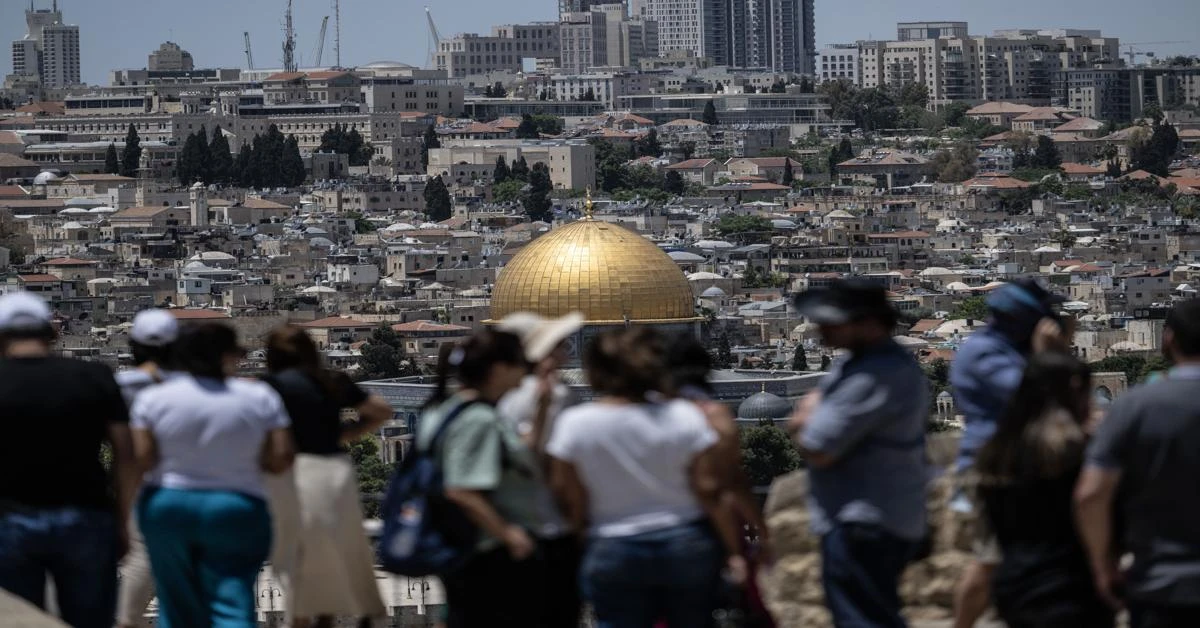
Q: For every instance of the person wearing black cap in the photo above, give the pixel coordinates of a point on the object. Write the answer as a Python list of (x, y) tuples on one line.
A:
[(862, 433), (57, 513), (984, 376)]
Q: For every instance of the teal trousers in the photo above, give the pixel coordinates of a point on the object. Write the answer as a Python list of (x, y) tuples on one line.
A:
[(206, 548)]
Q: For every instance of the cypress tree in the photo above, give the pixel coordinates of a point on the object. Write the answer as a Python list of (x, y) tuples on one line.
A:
[(710, 114), (219, 158), (438, 206), (537, 201), (501, 173), (132, 154), (292, 164), (520, 169), (112, 165)]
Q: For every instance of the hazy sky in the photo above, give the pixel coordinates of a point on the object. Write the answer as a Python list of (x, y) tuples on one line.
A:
[(121, 33)]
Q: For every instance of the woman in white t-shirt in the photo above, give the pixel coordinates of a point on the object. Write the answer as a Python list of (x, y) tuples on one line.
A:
[(637, 471), (206, 439)]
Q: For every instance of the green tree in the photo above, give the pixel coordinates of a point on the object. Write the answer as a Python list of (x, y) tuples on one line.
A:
[(709, 116), (913, 95), (746, 229), (242, 167), (648, 145), (789, 177), (203, 163), (956, 164), (291, 166), (954, 113), (438, 206), (220, 159), (373, 474), (382, 357), (500, 174), (508, 191), (1135, 367), (520, 169), (799, 359), (686, 149), (112, 165), (528, 129), (187, 166), (767, 453), (537, 198), (673, 182), (132, 155), (1112, 169), (548, 124), (1045, 154), (938, 374), (429, 140), (973, 308), (1155, 154)]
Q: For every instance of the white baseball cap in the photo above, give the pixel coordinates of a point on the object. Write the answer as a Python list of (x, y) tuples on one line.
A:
[(539, 335), (23, 311), (154, 328)]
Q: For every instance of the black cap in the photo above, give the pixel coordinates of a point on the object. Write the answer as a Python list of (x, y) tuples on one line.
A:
[(846, 301)]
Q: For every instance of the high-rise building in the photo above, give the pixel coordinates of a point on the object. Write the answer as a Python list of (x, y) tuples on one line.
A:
[(50, 49), (839, 62), (583, 41), (624, 41), (777, 35), (913, 31), (60, 55), (170, 58)]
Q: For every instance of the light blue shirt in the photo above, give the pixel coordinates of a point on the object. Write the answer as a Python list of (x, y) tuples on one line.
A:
[(209, 432), (984, 376), (871, 419)]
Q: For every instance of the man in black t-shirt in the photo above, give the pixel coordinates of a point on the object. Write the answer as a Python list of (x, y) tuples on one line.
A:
[(1141, 470), (57, 513)]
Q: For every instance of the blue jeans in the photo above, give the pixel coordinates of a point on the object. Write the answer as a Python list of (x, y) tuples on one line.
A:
[(77, 547), (860, 570), (206, 548), (672, 574)]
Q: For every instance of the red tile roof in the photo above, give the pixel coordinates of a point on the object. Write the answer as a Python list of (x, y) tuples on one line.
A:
[(52, 108), (39, 278), (68, 261), (12, 192), (1083, 169)]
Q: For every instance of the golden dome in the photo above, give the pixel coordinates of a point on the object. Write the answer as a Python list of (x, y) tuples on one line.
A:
[(605, 271)]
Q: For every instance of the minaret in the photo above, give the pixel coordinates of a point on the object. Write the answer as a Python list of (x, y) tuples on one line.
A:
[(199, 205), (143, 178)]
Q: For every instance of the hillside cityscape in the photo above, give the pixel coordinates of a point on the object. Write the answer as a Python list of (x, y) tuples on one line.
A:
[(688, 166)]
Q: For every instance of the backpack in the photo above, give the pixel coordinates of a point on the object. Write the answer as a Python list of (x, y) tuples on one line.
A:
[(424, 534)]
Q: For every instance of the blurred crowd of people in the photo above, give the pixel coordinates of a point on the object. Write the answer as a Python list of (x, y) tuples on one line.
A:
[(633, 503)]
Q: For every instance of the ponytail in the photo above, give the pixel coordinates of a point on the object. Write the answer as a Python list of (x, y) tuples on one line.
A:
[(442, 384)]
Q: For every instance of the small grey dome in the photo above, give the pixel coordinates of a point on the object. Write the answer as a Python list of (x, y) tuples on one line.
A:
[(764, 406)]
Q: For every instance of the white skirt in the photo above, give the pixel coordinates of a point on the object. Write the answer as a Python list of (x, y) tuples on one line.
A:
[(320, 555)]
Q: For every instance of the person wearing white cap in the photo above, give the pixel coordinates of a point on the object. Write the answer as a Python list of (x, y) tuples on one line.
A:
[(56, 514), (531, 409), (150, 340)]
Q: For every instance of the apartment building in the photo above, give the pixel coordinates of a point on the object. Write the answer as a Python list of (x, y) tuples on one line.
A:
[(776, 35), (1017, 65), (505, 48), (48, 54), (839, 62), (583, 41), (1122, 94), (170, 58), (389, 87), (571, 162), (607, 87), (327, 87), (915, 31)]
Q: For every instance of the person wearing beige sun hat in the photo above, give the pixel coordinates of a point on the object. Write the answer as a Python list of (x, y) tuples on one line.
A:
[(532, 408)]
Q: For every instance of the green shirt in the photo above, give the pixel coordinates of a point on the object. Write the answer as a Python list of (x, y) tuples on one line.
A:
[(482, 453)]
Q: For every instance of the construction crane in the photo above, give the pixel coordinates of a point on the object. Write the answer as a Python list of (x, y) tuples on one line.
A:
[(1134, 54), (434, 39), (321, 41), (289, 41), (249, 56)]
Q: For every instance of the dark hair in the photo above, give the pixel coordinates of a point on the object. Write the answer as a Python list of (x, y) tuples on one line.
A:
[(1041, 434), (1184, 323), (201, 349), (627, 362), (688, 363), (290, 347), (470, 361), (45, 333), (160, 356)]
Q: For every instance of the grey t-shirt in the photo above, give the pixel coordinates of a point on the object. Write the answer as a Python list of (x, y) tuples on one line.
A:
[(872, 419), (1152, 436), (518, 409)]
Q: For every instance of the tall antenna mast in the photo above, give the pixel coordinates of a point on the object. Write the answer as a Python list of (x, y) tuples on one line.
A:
[(289, 41), (337, 33)]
